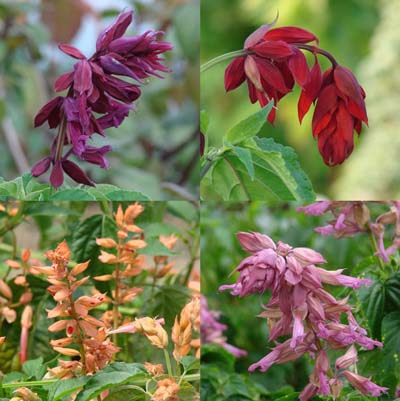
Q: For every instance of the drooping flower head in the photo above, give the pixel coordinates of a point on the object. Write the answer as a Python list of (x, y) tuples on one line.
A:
[(302, 308), (92, 87), (273, 62)]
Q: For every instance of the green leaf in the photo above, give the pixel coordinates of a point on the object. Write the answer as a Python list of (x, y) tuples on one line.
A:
[(204, 121), (391, 330), (110, 377), (373, 304), (216, 355), (126, 394), (34, 368), (392, 286), (72, 194), (277, 175), (244, 155), (190, 363), (155, 247), (62, 388), (249, 127), (239, 385), (289, 397)]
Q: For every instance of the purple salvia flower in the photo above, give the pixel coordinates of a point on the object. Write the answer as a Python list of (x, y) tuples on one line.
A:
[(364, 385), (93, 88)]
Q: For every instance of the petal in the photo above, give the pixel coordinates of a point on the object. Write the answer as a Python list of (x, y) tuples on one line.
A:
[(83, 77), (234, 74), (63, 81), (113, 66), (271, 74), (252, 72), (76, 173), (291, 34), (50, 109), (71, 51), (327, 101), (299, 68), (41, 167), (270, 49), (259, 34), (114, 31), (56, 176)]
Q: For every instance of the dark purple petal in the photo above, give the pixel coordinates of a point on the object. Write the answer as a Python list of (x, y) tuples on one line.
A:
[(118, 88), (114, 31), (116, 116), (83, 77), (63, 81), (71, 51), (51, 112), (113, 66), (76, 173), (57, 176), (41, 167), (96, 155)]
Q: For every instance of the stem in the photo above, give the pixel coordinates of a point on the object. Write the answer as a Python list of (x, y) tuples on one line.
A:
[(375, 247), (168, 361), (227, 56), (317, 50), (116, 297), (205, 169), (60, 139), (192, 260)]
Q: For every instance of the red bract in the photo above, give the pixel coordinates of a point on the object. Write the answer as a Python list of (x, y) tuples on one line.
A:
[(93, 88), (272, 62)]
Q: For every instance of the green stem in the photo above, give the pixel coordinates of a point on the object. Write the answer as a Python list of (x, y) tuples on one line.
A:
[(227, 56), (375, 248), (205, 169), (168, 362), (193, 257)]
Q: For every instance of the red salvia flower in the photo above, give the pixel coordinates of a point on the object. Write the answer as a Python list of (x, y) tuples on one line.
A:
[(273, 62)]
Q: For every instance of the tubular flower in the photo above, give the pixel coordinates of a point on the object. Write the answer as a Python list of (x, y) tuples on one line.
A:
[(273, 61), (94, 350), (212, 330), (301, 308), (96, 98), (352, 218)]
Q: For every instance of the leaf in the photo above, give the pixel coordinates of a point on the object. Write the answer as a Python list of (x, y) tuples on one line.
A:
[(126, 394), (373, 304), (216, 355), (239, 385), (249, 127), (289, 397), (244, 155), (34, 368), (391, 330), (84, 245), (204, 121), (277, 175), (62, 388), (392, 286), (190, 363), (155, 247), (47, 209), (112, 376)]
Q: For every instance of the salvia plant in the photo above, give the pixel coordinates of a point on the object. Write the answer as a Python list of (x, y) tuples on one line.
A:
[(87, 326), (302, 310), (270, 64), (96, 99)]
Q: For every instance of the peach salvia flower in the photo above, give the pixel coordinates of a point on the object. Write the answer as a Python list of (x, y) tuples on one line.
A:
[(167, 390), (154, 369), (25, 394), (301, 308)]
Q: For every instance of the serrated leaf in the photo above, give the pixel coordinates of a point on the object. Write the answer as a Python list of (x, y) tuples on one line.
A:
[(112, 376), (190, 363), (72, 194), (34, 368), (277, 175), (239, 385), (244, 155), (373, 304), (125, 394), (248, 127), (391, 330), (214, 354), (62, 388)]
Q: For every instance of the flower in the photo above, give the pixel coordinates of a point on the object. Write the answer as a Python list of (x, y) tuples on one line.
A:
[(364, 385), (167, 390), (300, 307), (92, 87), (272, 62), (212, 330)]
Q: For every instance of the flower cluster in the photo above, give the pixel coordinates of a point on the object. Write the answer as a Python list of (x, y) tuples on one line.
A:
[(212, 330), (128, 263), (301, 308), (94, 350), (272, 62), (94, 90), (8, 307), (352, 218)]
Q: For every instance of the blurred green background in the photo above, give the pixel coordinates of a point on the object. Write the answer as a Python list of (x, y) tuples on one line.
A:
[(221, 253), (156, 148), (362, 35)]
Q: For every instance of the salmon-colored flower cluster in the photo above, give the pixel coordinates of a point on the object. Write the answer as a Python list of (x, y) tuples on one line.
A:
[(128, 263), (85, 336), (167, 390)]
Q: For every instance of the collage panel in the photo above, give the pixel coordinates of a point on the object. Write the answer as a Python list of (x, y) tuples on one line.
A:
[(289, 100), (98, 97), (300, 302), (99, 301)]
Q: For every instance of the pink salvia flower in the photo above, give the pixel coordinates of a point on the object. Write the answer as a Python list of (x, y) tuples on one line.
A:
[(299, 306), (364, 385)]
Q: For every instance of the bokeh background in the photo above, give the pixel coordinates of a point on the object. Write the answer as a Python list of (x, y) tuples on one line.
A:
[(364, 36), (156, 148), (221, 254)]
